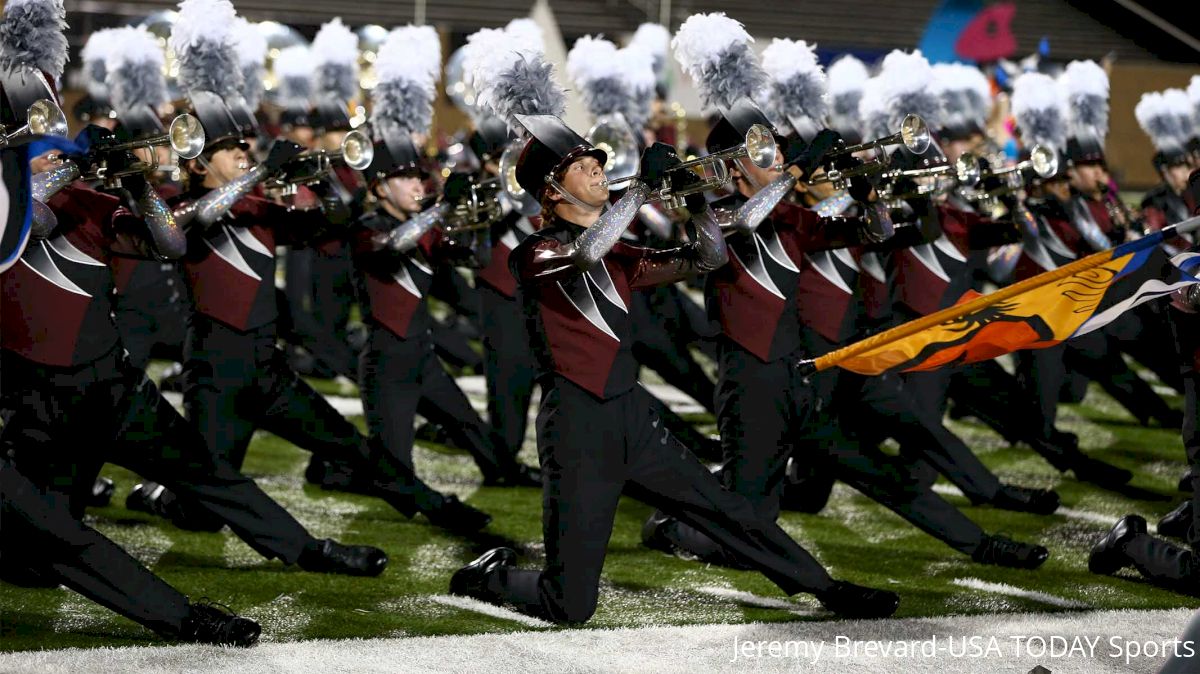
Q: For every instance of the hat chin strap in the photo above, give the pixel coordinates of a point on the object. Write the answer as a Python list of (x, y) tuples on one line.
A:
[(567, 196)]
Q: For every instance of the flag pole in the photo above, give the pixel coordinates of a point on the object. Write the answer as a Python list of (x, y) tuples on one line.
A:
[(836, 357)]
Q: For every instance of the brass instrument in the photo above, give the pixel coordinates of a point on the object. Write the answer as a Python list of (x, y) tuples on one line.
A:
[(313, 166), (965, 172), (478, 208), (1043, 161), (613, 134), (185, 136), (913, 134), (43, 118), (510, 188), (759, 147)]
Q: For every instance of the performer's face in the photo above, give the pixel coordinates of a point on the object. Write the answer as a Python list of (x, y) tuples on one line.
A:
[(751, 178), (332, 140), (584, 179), (405, 193), (226, 165), (815, 193), (301, 135), (1088, 178), (1177, 177), (956, 148)]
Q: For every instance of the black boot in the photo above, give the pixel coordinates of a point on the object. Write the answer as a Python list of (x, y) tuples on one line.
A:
[(654, 532), (329, 556), (1178, 522), (1108, 554), (156, 499), (1004, 551), (456, 516), (518, 476), (1026, 499), (471, 580), (102, 492), (848, 600), (209, 623), (1100, 473)]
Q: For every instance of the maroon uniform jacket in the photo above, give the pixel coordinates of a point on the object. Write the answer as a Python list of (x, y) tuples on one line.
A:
[(56, 300), (580, 323)]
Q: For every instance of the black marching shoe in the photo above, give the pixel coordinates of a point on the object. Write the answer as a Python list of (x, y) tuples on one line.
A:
[(1100, 473), (471, 580), (1026, 499), (1108, 554), (329, 556), (521, 476), (1178, 522), (848, 600), (1003, 551), (156, 499), (102, 492), (454, 515), (209, 623), (654, 532), (333, 475)]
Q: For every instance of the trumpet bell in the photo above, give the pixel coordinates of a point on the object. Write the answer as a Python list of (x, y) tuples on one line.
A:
[(914, 133), (613, 134), (1044, 161), (760, 146), (186, 136), (357, 150), (967, 170)]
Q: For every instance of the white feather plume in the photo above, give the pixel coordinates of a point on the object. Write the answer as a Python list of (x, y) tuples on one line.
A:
[(200, 21), (873, 111), (335, 43), (592, 59), (202, 38), (250, 44), (799, 87), (295, 61), (1154, 115), (1086, 78), (1040, 108), (714, 50), (411, 53), (847, 74), (526, 32), (134, 73), (1193, 92), (965, 93), (653, 37), (1178, 104), (907, 88), (95, 55)]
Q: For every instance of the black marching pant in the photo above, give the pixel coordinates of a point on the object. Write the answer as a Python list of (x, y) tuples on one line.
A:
[(402, 378), (319, 291), (153, 319), (40, 532), (67, 424), (1043, 372), (915, 406), (236, 382), (591, 451), (660, 343), (508, 366)]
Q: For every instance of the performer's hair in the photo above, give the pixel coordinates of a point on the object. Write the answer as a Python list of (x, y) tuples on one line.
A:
[(547, 200)]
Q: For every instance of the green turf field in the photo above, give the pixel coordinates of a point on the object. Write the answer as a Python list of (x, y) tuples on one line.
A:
[(855, 538)]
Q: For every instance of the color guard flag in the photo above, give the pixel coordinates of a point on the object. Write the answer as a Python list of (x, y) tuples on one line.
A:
[(1036, 313)]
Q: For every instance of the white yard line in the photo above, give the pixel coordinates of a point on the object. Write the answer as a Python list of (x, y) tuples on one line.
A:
[(468, 604), (1013, 591), (756, 600), (1022, 641)]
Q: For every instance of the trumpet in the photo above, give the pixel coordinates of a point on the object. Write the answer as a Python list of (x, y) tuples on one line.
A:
[(185, 136), (1043, 161), (43, 118), (759, 147), (478, 208), (913, 134), (965, 171), (312, 166)]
